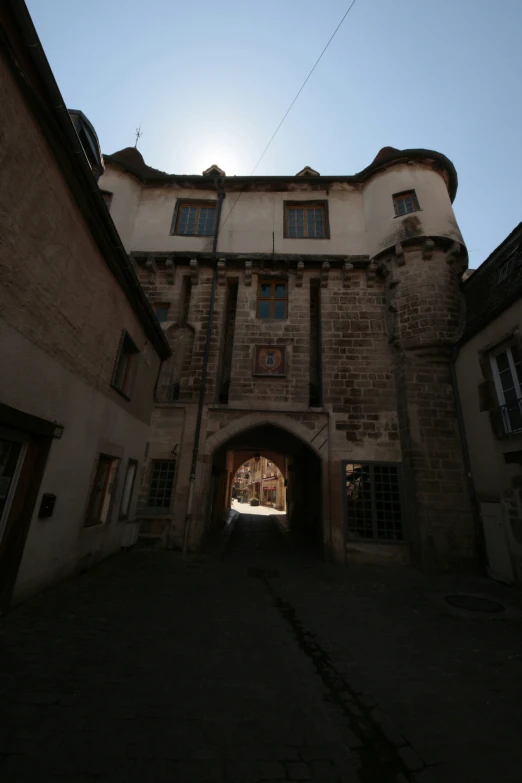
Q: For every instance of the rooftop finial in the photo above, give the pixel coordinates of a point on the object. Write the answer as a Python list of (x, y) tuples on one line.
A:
[(139, 134)]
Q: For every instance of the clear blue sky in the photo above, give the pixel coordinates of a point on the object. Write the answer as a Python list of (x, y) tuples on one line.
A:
[(210, 81)]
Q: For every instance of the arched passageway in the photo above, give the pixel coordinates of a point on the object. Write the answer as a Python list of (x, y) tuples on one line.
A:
[(299, 464)]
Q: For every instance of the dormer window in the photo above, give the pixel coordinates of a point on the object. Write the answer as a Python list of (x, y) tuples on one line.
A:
[(308, 172), (214, 171), (405, 203)]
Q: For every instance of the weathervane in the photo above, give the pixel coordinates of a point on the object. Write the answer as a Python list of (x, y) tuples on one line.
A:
[(139, 134)]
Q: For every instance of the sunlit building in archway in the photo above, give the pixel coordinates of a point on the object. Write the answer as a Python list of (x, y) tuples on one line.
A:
[(312, 321)]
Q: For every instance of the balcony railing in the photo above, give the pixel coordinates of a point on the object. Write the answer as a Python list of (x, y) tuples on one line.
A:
[(512, 416)]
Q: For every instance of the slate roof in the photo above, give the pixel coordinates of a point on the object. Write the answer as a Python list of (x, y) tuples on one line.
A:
[(489, 291)]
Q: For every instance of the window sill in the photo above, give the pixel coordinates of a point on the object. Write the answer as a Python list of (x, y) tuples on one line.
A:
[(151, 514), (97, 523), (408, 213), (381, 541), (194, 236), (311, 238)]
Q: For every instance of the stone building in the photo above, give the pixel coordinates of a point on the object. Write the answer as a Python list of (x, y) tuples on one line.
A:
[(266, 483), (312, 320), (80, 348), (489, 372)]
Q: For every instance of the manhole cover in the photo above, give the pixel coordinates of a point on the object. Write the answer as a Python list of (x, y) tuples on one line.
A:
[(475, 603), (260, 573)]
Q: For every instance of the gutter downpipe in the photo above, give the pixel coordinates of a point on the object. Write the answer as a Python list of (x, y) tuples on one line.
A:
[(202, 388)]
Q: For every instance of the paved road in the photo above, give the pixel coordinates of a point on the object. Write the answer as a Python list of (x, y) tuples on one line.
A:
[(148, 669), (267, 665)]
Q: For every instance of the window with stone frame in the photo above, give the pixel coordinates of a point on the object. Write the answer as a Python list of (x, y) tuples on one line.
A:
[(272, 299), (373, 502), (507, 374), (161, 484), (194, 218), (405, 202), (306, 220)]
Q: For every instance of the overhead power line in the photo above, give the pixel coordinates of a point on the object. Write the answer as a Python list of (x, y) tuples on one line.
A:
[(291, 105), (303, 86)]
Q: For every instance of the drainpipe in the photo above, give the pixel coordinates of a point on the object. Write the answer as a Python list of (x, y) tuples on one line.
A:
[(202, 388)]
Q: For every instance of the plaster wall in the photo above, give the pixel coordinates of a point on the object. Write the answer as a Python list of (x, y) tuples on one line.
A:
[(125, 202), (93, 423), (435, 218)]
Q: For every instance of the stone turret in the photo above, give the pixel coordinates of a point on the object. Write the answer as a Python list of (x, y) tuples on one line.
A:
[(420, 251)]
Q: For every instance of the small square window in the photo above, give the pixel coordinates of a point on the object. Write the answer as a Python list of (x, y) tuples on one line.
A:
[(161, 311), (404, 203), (125, 366), (272, 300), (305, 220), (194, 218)]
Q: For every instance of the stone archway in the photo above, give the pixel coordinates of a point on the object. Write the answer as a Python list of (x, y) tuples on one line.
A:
[(251, 420), (267, 434)]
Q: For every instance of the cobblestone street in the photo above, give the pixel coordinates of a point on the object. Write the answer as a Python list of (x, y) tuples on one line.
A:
[(263, 665)]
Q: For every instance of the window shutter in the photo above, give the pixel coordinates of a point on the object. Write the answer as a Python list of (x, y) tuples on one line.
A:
[(487, 395)]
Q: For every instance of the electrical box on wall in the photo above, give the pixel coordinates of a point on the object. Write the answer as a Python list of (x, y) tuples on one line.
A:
[(46, 505)]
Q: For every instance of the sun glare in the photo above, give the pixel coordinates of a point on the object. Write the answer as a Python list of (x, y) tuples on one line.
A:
[(230, 149)]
